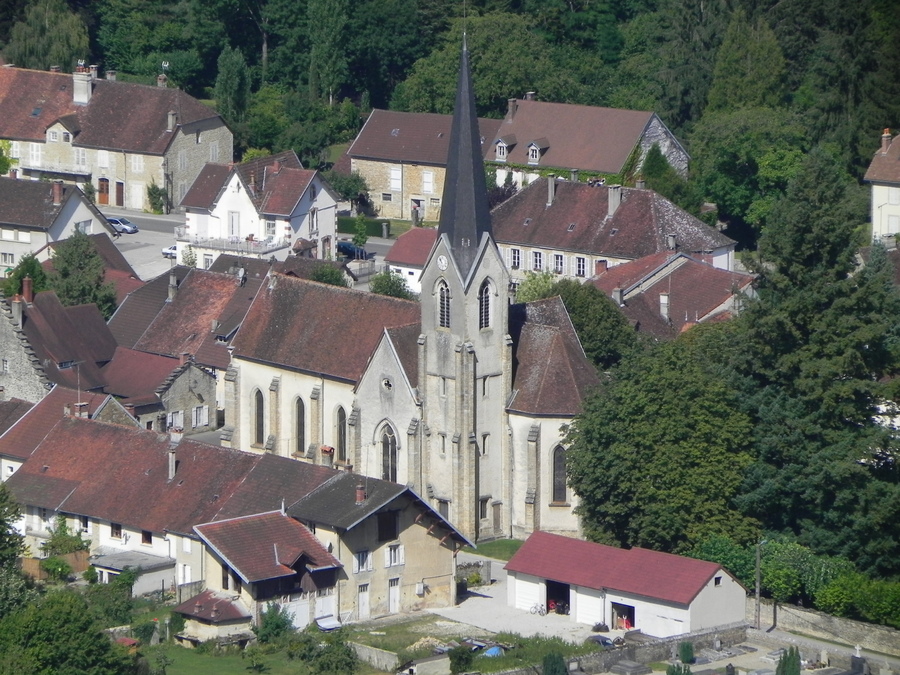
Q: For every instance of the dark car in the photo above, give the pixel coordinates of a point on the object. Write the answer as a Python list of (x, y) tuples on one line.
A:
[(351, 250), (602, 640), (123, 225)]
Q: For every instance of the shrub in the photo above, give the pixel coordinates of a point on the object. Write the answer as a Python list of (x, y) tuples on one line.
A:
[(176, 623), (90, 575), (57, 568), (789, 663), (461, 659), (474, 579), (554, 664), (678, 669), (302, 647), (336, 656), (686, 652), (275, 622), (144, 631), (62, 540)]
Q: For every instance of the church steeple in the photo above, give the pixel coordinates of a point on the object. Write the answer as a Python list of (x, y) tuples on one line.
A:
[(465, 216)]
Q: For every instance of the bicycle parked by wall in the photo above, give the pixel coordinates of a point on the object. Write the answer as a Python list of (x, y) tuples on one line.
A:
[(538, 608)]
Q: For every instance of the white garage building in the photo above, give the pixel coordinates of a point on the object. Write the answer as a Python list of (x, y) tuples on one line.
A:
[(658, 593)]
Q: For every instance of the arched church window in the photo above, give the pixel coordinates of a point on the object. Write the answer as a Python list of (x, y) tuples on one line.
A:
[(388, 454), (443, 304), (259, 426), (559, 475), (484, 305), (341, 435), (300, 426)]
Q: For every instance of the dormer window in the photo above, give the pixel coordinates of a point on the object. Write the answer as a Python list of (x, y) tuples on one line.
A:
[(503, 146), (501, 152), (534, 154)]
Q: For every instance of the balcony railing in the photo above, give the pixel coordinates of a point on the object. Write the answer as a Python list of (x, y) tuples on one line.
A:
[(233, 244)]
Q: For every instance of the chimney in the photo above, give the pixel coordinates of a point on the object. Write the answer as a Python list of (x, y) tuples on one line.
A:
[(511, 106), (170, 123), (885, 141), (276, 167), (173, 285), (184, 357), (173, 463), (55, 69), (129, 408), (640, 184), (81, 87), (573, 175), (253, 182), (600, 267), (95, 72), (529, 95), (551, 189), (664, 305), (617, 297), (14, 173), (57, 192), (671, 242), (360, 494), (615, 198), (110, 76), (161, 80), (28, 289), (67, 410), (18, 308)]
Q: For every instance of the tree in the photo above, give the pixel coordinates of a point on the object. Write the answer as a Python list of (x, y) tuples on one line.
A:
[(329, 274), (351, 187), (388, 283), (12, 543), (49, 35), (658, 454), (554, 664), (326, 21), (734, 557), (232, 90), (5, 161), (535, 286), (789, 662), (360, 236), (274, 622), (77, 276), (28, 267), (16, 591), (58, 635), (62, 540)]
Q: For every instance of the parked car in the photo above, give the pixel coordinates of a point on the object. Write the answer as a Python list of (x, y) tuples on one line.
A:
[(123, 225), (351, 250), (603, 641), (170, 251)]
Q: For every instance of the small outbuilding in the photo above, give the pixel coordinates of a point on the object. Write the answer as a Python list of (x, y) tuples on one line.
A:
[(657, 593)]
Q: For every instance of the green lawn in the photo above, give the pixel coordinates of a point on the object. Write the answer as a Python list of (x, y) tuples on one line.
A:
[(499, 549)]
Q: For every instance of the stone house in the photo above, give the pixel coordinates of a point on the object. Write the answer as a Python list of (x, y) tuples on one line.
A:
[(884, 175), (403, 157), (35, 214), (659, 594), (269, 206), (118, 136)]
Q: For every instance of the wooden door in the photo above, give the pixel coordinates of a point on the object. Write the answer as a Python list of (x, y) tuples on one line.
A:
[(120, 194), (103, 191)]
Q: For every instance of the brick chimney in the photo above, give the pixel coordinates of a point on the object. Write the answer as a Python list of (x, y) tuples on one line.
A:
[(57, 192), (885, 141), (162, 80), (28, 289), (184, 357), (360, 494), (615, 198), (55, 69), (13, 173), (82, 87), (511, 106), (276, 166), (600, 267), (110, 76)]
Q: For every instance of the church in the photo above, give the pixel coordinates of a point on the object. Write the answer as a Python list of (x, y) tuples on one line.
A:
[(462, 396)]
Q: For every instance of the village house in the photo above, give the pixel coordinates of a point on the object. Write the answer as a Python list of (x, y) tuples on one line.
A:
[(408, 255), (568, 139), (71, 127), (576, 230), (884, 175), (35, 214), (659, 594), (269, 206)]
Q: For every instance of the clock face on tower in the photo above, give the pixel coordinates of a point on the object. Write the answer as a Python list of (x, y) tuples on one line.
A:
[(442, 262)]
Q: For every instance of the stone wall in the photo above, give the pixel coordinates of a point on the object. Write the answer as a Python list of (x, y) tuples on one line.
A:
[(377, 658), (827, 627)]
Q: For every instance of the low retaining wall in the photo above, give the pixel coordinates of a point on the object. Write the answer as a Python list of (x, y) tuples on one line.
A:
[(816, 624), (377, 658)]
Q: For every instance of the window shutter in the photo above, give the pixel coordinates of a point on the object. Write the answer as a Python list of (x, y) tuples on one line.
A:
[(387, 556), (204, 416), (356, 563), (369, 565), (402, 555)]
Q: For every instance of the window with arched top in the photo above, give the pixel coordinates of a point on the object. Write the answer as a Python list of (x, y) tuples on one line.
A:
[(388, 454), (484, 305), (300, 426), (559, 475), (341, 422), (443, 304), (259, 417)]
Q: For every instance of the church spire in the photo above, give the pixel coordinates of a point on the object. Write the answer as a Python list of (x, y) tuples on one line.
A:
[(464, 210)]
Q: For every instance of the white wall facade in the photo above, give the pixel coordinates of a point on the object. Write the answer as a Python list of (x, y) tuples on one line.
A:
[(885, 210)]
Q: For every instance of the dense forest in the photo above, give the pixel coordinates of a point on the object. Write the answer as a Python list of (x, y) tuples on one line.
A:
[(763, 427)]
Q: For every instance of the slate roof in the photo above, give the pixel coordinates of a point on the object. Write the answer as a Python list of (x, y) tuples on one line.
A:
[(20, 440), (134, 376), (580, 137), (68, 334), (266, 546), (12, 411), (28, 204), (318, 328), (116, 269), (421, 138), (639, 571), (100, 124), (885, 166), (135, 314), (695, 289), (639, 227), (551, 374), (412, 247), (214, 607), (405, 340), (304, 268), (204, 191)]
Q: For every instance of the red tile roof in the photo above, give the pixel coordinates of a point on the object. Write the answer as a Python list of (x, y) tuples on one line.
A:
[(422, 138), (266, 546), (12, 411), (640, 571), (205, 190), (137, 375), (318, 328), (412, 247), (577, 221), (214, 607), (885, 166), (135, 314), (574, 136)]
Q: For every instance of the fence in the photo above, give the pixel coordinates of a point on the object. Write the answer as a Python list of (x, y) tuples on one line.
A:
[(78, 561)]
